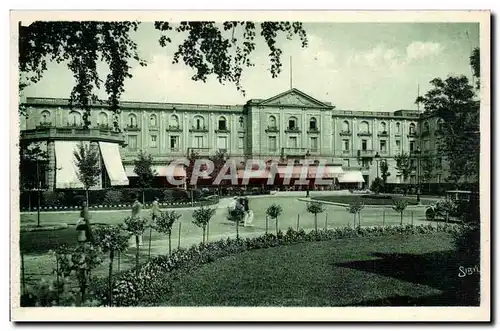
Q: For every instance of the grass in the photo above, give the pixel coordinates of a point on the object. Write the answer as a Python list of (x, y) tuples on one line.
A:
[(419, 270)]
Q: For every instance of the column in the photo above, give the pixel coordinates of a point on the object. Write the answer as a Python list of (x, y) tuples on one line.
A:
[(51, 169)]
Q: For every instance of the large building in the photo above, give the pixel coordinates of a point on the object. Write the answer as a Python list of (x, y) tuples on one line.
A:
[(291, 125)]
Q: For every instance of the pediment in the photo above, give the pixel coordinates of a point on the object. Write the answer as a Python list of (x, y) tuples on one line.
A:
[(294, 98)]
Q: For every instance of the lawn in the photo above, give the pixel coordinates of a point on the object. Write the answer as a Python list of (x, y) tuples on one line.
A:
[(419, 270), (372, 200)]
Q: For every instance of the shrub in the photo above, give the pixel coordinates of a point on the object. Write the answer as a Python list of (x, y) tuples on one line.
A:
[(201, 217), (377, 185), (400, 205), (52, 198), (112, 197)]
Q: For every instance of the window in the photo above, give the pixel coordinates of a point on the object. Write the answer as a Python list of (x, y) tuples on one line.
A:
[(241, 122), (313, 124), (398, 128), (174, 143), (398, 179), (314, 144), (345, 163), (364, 127), (413, 179), (75, 119), (153, 141), (412, 146), (132, 142), (412, 129), (293, 142), (426, 127), (383, 146), (272, 143), (439, 178), (153, 120), (241, 142), (364, 144), (272, 121), (103, 119), (174, 121), (345, 126), (222, 142), (398, 145), (382, 127), (413, 163), (198, 141), (292, 123), (222, 123), (365, 163), (345, 145), (45, 117), (132, 121), (199, 123)]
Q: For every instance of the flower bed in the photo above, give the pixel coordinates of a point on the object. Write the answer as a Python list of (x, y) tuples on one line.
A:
[(155, 277)]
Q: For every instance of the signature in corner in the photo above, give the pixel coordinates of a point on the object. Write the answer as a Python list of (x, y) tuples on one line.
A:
[(463, 271)]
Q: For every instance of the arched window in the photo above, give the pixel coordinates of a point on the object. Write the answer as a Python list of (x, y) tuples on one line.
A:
[(382, 127), (174, 121), (75, 119), (398, 128), (45, 117), (292, 123), (222, 123), (426, 126), (313, 125), (153, 120), (440, 124), (241, 122), (132, 120), (345, 126), (364, 127), (272, 121), (103, 119), (412, 128), (198, 123)]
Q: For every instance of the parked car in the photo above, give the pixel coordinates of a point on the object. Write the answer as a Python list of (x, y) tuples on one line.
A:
[(450, 208)]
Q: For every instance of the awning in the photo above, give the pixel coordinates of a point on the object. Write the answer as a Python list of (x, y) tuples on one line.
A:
[(66, 169), (351, 177), (325, 172), (113, 162), (161, 171)]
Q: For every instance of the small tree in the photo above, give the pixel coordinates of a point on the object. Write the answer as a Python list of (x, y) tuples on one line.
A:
[(400, 205), (201, 217), (32, 163), (237, 215), (145, 173), (384, 173), (111, 240), (80, 260), (315, 208), (136, 226), (164, 224), (355, 208), (273, 212), (403, 166), (87, 163), (377, 185)]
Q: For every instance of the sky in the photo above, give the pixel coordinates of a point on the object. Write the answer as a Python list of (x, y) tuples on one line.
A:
[(355, 66)]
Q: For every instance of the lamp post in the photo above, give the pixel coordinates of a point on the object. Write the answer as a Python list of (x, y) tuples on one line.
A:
[(377, 159), (417, 154)]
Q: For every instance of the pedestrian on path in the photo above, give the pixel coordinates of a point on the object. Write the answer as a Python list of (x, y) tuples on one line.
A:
[(136, 212)]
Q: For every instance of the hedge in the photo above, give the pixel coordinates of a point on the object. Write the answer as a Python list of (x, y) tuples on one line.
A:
[(156, 277)]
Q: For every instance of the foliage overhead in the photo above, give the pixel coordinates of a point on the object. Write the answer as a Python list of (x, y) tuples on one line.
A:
[(403, 165), (29, 170), (87, 163), (209, 48), (384, 171)]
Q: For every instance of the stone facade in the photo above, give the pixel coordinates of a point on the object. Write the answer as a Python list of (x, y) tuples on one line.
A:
[(289, 125)]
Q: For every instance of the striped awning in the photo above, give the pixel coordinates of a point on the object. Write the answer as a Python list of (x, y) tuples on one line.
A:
[(352, 176)]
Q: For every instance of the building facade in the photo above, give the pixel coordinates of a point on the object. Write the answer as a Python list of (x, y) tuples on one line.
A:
[(291, 125)]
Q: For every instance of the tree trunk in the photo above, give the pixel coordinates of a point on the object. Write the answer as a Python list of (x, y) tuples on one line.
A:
[(143, 199), (237, 229), (277, 226), (203, 240), (359, 220), (354, 220), (110, 277), (401, 218), (208, 229), (38, 210), (267, 221), (87, 197), (316, 222), (149, 244), (83, 286), (169, 242), (137, 256)]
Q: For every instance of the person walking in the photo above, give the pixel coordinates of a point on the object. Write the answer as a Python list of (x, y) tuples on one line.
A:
[(83, 227)]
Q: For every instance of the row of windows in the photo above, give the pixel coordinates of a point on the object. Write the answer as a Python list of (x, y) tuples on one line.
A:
[(173, 142), (75, 118)]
